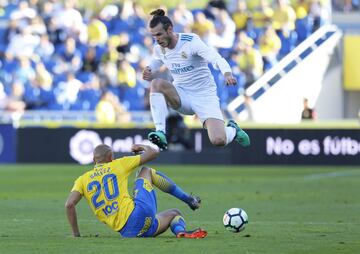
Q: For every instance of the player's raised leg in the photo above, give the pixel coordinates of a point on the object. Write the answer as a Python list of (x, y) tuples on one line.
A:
[(173, 218), (220, 135), (162, 93), (165, 184)]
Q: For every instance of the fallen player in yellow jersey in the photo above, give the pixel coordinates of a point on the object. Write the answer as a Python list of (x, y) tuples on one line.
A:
[(105, 187)]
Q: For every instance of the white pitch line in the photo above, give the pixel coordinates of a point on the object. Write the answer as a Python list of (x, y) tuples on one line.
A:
[(302, 223), (331, 175), (271, 223)]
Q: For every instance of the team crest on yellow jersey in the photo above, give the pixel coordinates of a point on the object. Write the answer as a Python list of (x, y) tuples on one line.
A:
[(183, 55)]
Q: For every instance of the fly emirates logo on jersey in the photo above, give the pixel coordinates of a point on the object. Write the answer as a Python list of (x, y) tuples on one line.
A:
[(178, 69), (82, 145)]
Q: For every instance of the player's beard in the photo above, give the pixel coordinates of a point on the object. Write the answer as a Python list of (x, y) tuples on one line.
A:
[(167, 41)]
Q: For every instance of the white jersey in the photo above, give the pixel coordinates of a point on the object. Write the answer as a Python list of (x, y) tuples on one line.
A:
[(188, 64)]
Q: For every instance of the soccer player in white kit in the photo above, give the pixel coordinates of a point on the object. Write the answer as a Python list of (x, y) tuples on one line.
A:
[(193, 90)]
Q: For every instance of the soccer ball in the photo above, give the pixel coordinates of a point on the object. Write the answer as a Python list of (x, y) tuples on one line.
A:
[(235, 220)]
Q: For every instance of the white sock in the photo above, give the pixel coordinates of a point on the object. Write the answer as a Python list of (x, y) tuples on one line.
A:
[(230, 134), (159, 110)]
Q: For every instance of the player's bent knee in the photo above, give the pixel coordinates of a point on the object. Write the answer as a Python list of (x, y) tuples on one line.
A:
[(156, 85), (175, 212), (144, 172), (218, 141)]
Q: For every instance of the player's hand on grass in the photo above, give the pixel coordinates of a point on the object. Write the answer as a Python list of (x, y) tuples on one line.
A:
[(147, 75), (229, 79)]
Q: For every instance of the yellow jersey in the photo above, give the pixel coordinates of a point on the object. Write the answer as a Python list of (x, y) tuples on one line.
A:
[(105, 188)]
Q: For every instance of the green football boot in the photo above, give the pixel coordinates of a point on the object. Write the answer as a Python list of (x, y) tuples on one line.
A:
[(241, 136), (159, 139)]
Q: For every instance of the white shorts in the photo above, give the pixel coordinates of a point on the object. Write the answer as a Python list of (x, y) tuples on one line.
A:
[(204, 106)]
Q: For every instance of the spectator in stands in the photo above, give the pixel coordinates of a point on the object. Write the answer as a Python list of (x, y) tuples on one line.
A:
[(241, 41), (97, 32), (90, 62), (225, 30), (269, 45), (284, 16), (250, 63), (202, 26), (12, 102), (67, 91), (248, 102), (38, 29), (111, 54), (48, 11), (262, 15), (144, 48), (123, 44), (3, 97), (45, 49), (213, 7), (110, 110), (57, 36), (89, 94), (70, 56), (127, 74), (37, 26), (346, 5), (16, 98), (107, 14), (38, 93), (108, 70), (22, 14), (69, 20), (25, 72), (304, 23), (43, 78), (319, 14), (241, 15), (23, 44), (11, 30), (182, 18), (308, 113)]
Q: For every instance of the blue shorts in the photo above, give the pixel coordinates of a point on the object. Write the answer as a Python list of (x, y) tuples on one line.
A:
[(142, 221)]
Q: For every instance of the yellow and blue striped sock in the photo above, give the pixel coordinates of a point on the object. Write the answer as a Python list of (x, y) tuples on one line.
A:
[(178, 225), (165, 184)]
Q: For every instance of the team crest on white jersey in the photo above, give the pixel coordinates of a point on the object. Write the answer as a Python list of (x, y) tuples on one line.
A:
[(163, 52), (183, 55)]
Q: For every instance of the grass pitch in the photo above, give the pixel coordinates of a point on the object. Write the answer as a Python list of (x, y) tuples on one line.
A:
[(291, 210)]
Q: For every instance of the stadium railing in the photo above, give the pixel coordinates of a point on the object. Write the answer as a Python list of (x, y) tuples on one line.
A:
[(46, 118), (286, 65)]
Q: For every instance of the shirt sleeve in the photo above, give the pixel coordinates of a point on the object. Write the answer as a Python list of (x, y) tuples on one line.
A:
[(156, 61), (198, 47), (128, 163), (78, 186)]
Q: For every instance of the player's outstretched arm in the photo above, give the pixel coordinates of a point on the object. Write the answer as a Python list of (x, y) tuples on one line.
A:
[(147, 153), (70, 205)]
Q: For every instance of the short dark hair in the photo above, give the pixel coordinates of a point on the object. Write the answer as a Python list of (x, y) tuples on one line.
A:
[(159, 17)]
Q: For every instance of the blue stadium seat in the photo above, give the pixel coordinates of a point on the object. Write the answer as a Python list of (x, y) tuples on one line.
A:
[(303, 28), (133, 98), (287, 43), (84, 77), (87, 100)]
